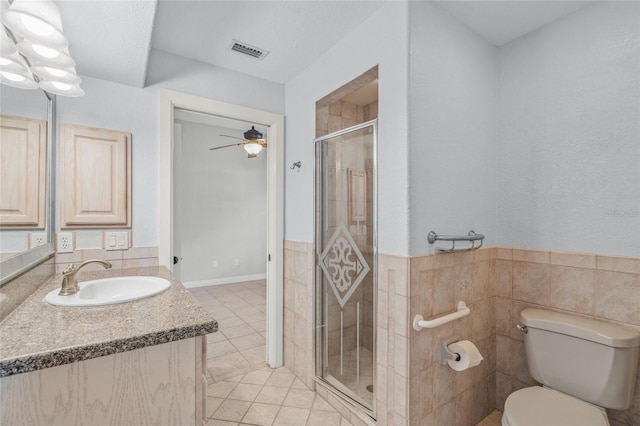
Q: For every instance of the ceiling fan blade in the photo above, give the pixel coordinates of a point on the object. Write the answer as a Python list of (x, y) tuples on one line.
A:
[(226, 146), (234, 137)]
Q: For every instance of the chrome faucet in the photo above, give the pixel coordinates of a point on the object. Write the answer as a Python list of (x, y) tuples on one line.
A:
[(70, 281)]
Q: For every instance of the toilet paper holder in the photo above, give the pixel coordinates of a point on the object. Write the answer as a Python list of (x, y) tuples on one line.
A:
[(447, 354)]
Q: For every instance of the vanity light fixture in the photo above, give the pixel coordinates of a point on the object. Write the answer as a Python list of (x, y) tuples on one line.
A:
[(34, 39), (36, 20)]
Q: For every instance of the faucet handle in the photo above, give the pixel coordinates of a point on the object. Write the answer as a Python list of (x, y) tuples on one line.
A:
[(69, 269)]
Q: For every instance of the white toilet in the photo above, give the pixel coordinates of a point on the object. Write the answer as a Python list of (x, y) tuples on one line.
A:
[(584, 365)]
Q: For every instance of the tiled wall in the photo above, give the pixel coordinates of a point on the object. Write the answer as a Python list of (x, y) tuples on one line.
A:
[(497, 283), (135, 257), (298, 310), (600, 287), (440, 395)]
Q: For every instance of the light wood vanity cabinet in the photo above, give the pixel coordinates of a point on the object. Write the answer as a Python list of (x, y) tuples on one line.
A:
[(155, 385), (95, 172), (23, 148)]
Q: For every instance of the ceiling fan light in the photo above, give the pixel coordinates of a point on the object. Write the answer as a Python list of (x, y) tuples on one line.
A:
[(36, 20), (252, 148)]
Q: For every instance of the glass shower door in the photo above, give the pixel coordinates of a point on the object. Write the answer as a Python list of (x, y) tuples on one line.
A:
[(345, 273)]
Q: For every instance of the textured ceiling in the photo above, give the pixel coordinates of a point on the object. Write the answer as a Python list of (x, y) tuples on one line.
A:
[(110, 40), (295, 32), (500, 22)]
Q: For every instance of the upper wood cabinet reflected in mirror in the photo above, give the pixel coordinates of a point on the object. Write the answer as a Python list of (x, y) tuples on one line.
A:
[(23, 157)]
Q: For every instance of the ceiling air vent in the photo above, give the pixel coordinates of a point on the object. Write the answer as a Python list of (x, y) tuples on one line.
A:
[(247, 49)]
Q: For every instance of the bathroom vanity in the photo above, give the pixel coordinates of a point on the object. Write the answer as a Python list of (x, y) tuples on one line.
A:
[(141, 362)]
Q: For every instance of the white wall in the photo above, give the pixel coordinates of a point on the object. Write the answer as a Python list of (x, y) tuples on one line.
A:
[(380, 40), (115, 106), (569, 138), (200, 79), (452, 128), (130, 109), (224, 206)]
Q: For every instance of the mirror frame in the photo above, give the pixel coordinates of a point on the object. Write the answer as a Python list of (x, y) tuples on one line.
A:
[(17, 265)]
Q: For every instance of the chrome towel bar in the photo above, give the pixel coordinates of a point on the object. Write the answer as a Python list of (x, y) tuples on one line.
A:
[(471, 237)]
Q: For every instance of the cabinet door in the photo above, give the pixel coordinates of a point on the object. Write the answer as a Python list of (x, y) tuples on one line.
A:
[(95, 170), (23, 147)]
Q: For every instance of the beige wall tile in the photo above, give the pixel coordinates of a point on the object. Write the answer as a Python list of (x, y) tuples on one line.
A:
[(504, 322), (572, 289), (420, 396), (534, 256), (101, 254), (504, 253), (577, 260), (619, 264), (504, 278), (139, 253), (531, 282), (503, 354), (139, 263), (617, 296)]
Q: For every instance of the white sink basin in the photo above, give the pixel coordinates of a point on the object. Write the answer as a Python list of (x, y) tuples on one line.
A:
[(109, 291)]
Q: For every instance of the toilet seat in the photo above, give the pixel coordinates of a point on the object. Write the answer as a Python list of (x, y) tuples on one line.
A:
[(540, 406)]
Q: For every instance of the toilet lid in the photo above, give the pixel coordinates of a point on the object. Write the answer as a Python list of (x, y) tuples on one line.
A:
[(538, 406)]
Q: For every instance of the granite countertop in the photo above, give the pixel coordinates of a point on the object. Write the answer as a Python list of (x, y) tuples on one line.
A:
[(37, 335)]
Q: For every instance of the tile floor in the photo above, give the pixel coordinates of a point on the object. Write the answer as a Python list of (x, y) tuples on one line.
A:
[(242, 389)]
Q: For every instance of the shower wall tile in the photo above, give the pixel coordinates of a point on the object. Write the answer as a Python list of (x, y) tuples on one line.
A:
[(601, 287)]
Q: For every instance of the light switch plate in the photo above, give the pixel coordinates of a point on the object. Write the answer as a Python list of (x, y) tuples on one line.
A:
[(116, 240)]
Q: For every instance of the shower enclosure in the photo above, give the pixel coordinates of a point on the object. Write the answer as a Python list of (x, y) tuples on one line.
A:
[(345, 267)]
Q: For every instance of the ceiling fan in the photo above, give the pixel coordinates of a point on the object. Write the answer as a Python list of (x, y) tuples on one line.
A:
[(252, 142)]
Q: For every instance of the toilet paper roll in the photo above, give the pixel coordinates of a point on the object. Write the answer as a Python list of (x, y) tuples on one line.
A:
[(469, 355)]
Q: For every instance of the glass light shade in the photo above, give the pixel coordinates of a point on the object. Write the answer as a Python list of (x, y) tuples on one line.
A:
[(252, 148), (13, 63), (36, 20), (7, 46), (46, 55), (61, 88), (63, 75), (19, 80)]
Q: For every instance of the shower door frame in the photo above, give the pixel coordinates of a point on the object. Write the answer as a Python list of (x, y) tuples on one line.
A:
[(317, 223)]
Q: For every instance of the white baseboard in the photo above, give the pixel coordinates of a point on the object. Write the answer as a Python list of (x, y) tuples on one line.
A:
[(227, 280)]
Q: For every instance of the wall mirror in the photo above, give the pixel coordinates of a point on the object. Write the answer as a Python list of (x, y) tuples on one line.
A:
[(17, 253)]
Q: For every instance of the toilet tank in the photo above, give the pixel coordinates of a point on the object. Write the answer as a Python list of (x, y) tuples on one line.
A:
[(593, 360)]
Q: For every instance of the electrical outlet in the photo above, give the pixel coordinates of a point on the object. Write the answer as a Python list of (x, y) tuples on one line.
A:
[(37, 239), (215, 263), (64, 242)]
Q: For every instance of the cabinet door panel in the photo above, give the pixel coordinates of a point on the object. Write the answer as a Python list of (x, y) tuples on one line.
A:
[(23, 145), (95, 167)]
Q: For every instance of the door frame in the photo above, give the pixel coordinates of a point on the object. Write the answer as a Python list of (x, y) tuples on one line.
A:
[(168, 100)]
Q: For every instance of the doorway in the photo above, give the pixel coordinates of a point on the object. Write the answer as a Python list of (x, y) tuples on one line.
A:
[(170, 101)]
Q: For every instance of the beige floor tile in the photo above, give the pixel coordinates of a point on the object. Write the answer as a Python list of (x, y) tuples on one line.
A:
[(215, 337), (299, 398), (245, 392), (216, 422), (220, 348), (258, 377), (297, 384), (261, 414), (247, 342), (220, 390), (232, 410), (280, 379), (255, 355), (272, 395), (259, 325), (237, 331), (324, 418), (213, 404), (319, 404), (290, 416)]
